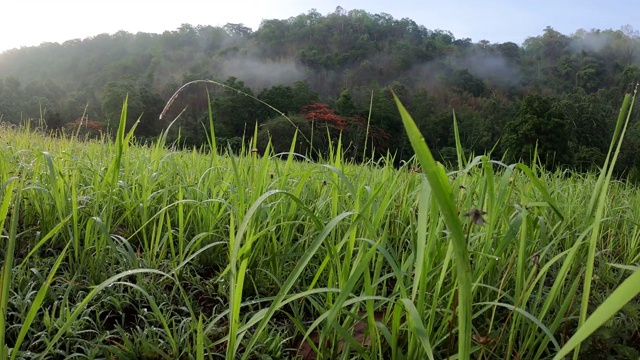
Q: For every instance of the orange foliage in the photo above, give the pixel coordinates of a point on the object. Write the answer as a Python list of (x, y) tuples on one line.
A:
[(323, 112), (90, 127)]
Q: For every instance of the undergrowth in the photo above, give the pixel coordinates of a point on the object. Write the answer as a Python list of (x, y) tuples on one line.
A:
[(117, 251)]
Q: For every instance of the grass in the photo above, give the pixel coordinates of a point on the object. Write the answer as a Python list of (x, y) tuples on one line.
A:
[(118, 251)]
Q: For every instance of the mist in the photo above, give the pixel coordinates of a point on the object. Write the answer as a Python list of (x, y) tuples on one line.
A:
[(259, 74), (494, 69), (591, 41), (491, 67)]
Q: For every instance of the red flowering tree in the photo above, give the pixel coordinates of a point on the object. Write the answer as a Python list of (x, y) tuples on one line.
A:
[(320, 112), (86, 127)]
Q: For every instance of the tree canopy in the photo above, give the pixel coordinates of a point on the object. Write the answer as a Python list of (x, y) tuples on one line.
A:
[(557, 92)]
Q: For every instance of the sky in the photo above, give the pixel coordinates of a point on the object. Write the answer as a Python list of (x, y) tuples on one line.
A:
[(32, 22)]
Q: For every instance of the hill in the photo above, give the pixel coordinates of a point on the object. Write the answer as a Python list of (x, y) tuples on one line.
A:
[(558, 91)]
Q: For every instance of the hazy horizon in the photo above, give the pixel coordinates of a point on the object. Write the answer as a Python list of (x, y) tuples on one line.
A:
[(33, 22)]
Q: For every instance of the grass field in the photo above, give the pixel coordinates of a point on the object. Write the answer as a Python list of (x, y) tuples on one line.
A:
[(116, 251)]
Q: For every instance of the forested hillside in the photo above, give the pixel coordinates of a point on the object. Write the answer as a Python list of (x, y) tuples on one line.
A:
[(559, 91)]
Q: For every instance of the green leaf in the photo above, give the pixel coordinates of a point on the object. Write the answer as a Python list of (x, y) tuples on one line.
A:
[(444, 197), (629, 289)]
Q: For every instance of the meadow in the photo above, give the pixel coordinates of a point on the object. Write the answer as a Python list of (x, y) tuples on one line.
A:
[(113, 250)]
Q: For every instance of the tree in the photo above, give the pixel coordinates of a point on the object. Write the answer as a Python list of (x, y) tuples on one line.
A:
[(234, 112), (554, 44), (343, 57), (11, 100), (280, 97), (590, 76), (303, 95), (345, 105), (280, 132), (54, 120), (591, 122), (113, 99), (509, 51), (629, 77), (538, 125), (152, 106), (322, 113), (238, 30), (462, 80)]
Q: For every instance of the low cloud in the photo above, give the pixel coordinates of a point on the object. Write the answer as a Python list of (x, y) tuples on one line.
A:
[(493, 68), (259, 74), (591, 41)]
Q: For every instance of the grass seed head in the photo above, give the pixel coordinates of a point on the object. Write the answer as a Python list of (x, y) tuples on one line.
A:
[(476, 216)]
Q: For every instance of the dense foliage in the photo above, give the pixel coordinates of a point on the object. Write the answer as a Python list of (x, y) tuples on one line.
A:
[(116, 251), (119, 251), (556, 92)]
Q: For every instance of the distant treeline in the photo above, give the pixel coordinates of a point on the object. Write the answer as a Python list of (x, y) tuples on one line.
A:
[(333, 74)]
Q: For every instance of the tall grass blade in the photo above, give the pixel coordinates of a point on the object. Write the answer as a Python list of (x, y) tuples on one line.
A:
[(443, 195), (293, 277), (6, 276), (37, 303), (462, 161), (211, 136), (626, 292), (625, 114), (83, 304), (415, 322), (120, 144), (200, 340)]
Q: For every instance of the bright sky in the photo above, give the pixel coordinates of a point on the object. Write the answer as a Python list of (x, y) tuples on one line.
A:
[(31, 22)]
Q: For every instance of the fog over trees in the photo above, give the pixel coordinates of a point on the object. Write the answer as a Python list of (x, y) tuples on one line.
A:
[(559, 92)]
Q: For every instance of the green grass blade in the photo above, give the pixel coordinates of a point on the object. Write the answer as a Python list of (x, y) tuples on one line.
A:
[(46, 238), (83, 304), (293, 277), (37, 302), (424, 203), (6, 276), (543, 190), (625, 110), (625, 113), (529, 316), (415, 322), (629, 289), (462, 161), (120, 144), (200, 340), (444, 197), (211, 136)]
